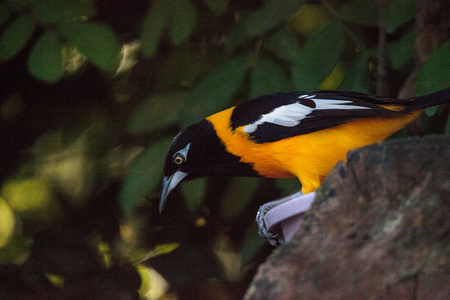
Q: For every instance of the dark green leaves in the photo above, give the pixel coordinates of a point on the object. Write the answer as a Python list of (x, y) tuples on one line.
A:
[(214, 91), (398, 12), (217, 6), (270, 15), (283, 44), (156, 112), (193, 192), (318, 57), (237, 196), (45, 61), (20, 5), (288, 186), (183, 21), (15, 37), (179, 16), (356, 77), (401, 52), (5, 13), (251, 244), (268, 77), (366, 13), (55, 11), (435, 73), (361, 12), (145, 174), (153, 26), (430, 111), (237, 36), (98, 42)]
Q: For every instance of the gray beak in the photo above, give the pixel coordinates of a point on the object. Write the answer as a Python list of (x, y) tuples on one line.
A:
[(169, 183)]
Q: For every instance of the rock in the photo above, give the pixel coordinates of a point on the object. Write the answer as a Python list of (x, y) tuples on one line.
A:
[(378, 229)]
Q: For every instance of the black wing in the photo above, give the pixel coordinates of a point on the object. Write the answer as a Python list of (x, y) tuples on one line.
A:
[(274, 117)]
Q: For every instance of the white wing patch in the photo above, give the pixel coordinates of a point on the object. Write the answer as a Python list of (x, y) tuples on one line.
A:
[(336, 104), (291, 115)]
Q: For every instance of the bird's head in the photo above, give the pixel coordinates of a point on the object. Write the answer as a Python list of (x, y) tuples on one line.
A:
[(197, 152)]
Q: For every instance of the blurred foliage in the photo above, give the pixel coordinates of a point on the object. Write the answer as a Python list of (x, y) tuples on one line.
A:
[(92, 92)]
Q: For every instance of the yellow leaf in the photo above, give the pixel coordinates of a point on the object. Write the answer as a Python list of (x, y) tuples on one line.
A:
[(308, 18), (153, 284), (28, 194), (56, 280), (333, 80), (7, 222)]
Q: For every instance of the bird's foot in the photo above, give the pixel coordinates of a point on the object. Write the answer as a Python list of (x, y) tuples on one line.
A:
[(271, 234), (272, 238), (278, 220)]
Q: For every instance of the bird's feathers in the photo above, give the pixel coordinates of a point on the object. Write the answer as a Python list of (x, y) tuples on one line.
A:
[(275, 117)]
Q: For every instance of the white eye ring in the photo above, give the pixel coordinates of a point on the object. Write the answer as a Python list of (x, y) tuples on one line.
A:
[(178, 159)]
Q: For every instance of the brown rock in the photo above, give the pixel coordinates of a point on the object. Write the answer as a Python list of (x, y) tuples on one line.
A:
[(378, 229)]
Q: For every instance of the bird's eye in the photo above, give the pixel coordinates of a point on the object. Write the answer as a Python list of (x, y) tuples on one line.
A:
[(178, 159)]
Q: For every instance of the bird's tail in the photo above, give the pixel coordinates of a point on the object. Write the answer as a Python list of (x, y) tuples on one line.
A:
[(432, 99)]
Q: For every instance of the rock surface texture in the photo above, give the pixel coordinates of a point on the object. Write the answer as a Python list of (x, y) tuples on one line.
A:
[(378, 229)]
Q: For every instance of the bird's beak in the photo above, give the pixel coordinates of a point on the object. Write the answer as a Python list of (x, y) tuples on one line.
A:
[(169, 183)]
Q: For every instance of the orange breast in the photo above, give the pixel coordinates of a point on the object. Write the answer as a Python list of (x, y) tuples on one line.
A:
[(309, 157)]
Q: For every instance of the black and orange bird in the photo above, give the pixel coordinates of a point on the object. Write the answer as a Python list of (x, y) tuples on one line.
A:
[(286, 135)]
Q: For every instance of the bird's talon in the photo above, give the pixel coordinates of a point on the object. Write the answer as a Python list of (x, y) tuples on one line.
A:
[(272, 238)]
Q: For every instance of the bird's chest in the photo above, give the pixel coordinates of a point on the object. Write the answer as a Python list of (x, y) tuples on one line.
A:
[(292, 157)]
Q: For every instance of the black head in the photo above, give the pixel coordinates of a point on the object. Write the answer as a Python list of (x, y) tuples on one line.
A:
[(198, 152)]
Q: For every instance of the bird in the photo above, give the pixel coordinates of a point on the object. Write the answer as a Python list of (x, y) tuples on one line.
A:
[(284, 135)]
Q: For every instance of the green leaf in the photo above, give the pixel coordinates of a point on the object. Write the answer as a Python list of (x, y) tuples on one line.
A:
[(193, 192), (272, 13), (153, 26), (318, 57), (54, 11), (435, 73), (237, 195), (19, 5), (16, 249), (5, 13), (398, 12), (288, 186), (361, 12), (182, 66), (15, 36), (217, 6), (430, 111), (98, 42), (283, 44), (237, 36), (183, 20), (156, 112), (266, 78), (401, 52), (45, 61), (356, 77), (214, 91), (145, 174), (251, 244)]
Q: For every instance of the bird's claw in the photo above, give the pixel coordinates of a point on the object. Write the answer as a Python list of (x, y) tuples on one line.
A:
[(275, 239), (274, 234)]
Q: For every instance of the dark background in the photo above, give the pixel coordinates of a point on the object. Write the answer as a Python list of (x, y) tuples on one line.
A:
[(92, 92)]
